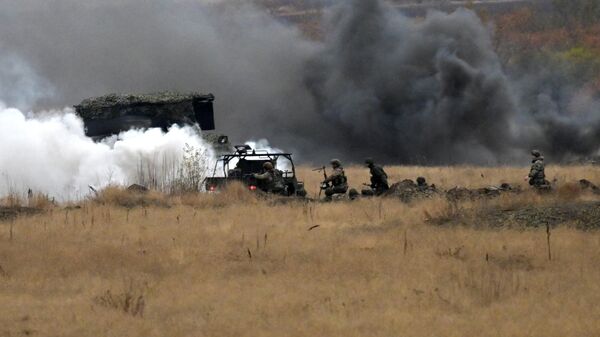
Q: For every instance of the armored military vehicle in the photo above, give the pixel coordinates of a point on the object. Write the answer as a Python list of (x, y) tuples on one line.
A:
[(241, 166), (114, 113)]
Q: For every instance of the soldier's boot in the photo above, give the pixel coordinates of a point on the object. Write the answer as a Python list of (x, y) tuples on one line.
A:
[(367, 192), (328, 194), (278, 191), (381, 190)]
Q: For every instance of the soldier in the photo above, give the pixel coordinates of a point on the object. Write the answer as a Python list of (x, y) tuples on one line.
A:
[(272, 179), (353, 194), (337, 179), (422, 183), (537, 176), (379, 183), (236, 172)]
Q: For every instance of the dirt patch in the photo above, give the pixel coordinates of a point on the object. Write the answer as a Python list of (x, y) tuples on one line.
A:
[(581, 215), (10, 213), (128, 302), (587, 185), (512, 262)]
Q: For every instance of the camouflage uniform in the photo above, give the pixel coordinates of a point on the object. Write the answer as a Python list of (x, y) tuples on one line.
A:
[(537, 176), (422, 184), (236, 172), (379, 182), (353, 194), (271, 180), (337, 179)]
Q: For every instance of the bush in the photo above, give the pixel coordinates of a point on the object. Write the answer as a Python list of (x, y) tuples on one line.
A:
[(123, 197), (175, 175)]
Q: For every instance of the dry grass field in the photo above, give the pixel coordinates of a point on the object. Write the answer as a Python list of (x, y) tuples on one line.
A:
[(234, 265)]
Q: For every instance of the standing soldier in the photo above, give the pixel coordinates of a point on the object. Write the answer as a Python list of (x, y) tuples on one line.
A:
[(272, 179), (537, 175), (337, 182), (379, 183)]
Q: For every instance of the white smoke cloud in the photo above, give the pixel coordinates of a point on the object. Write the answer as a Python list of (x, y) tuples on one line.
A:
[(263, 146), (50, 153)]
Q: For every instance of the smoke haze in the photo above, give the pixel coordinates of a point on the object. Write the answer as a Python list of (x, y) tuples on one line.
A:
[(51, 154), (380, 84), (431, 91)]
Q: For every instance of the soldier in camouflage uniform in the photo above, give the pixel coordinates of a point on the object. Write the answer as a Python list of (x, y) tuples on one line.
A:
[(379, 183), (537, 175), (271, 180), (422, 184), (336, 181), (236, 172)]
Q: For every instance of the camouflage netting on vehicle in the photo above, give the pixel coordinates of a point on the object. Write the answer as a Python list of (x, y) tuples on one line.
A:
[(112, 105), (113, 113)]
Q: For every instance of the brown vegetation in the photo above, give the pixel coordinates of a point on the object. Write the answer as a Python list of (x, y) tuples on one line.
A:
[(235, 265)]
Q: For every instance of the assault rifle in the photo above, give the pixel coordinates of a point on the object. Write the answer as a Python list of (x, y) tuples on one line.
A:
[(324, 185)]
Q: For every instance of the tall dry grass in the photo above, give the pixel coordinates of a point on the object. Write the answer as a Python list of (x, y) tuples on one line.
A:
[(465, 176), (235, 265)]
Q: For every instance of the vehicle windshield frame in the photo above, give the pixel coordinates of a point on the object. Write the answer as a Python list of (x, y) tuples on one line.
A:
[(273, 157)]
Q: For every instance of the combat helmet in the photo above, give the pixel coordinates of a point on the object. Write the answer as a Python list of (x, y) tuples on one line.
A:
[(268, 166), (369, 161), (336, 163), (536, 153)]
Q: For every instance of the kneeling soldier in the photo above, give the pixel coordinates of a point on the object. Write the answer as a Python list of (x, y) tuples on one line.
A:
[(337, 179), (379, 182), (272, 179)]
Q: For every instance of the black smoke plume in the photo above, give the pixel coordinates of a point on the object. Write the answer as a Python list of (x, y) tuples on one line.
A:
[(380, 84), (408, 91)]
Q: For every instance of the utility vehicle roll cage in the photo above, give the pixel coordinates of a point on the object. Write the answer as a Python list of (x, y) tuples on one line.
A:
[(245, 152)]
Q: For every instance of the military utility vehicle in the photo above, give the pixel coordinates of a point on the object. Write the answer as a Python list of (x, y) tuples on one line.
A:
[(241, 166), (112, 114)]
